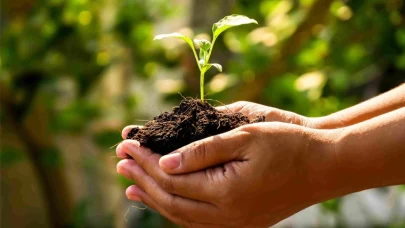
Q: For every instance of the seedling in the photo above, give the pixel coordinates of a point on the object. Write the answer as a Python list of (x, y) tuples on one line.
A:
[(169, 131), (206, 46)]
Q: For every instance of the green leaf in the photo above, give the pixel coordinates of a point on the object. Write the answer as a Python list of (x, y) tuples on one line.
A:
[(203, 44), (218, 66), (177, 35), (181, 36), (230, 21)]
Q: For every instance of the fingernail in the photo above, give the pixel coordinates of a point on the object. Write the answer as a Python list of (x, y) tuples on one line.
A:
[(170, 161), (123, 171), (135, 143)]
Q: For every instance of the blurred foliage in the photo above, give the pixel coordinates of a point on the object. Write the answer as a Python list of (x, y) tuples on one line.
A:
[(10, 156), (56, 57), (331, 206)]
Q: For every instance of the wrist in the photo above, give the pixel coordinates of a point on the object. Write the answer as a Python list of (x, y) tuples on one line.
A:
[(325, 176), (371, 154)]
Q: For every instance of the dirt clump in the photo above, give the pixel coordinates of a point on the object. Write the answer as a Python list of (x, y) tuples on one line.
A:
[(192, 120)]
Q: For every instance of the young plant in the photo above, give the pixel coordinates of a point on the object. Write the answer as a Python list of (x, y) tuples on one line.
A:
[(206, 46)]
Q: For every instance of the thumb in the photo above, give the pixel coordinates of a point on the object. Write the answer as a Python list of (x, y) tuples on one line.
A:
[(206, 153)]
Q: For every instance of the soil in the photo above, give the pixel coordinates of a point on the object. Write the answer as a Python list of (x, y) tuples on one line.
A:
[(192, 120)]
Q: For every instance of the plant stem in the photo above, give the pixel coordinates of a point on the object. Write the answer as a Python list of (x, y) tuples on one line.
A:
[(202, 69), (202, 85), (196, 58), (212, 47)]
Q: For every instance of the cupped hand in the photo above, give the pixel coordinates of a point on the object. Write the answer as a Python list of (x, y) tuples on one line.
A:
[(259, 174), (271, 114), (253, 110)]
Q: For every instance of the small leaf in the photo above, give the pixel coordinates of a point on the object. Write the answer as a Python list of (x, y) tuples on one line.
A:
[(181, 36), (202, 55), (201, 62), (177, 35), (230, 21), (218, 66), (203, 44)]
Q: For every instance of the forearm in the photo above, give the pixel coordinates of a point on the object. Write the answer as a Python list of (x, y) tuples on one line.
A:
[(366, 155), (387, 102)]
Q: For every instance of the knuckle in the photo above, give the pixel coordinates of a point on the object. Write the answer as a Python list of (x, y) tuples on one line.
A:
[(246, 133), (247, 129), (200, 152), (144, 160), (166, 183), (141, 161)]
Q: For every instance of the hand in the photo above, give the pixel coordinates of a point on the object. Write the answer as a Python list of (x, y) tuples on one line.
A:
[(261, 174), (253, 110)]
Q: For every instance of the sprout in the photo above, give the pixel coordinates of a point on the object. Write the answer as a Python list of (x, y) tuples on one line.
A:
[(206, 47)]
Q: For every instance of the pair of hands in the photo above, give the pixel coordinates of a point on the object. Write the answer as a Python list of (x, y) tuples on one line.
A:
[(253, 176)]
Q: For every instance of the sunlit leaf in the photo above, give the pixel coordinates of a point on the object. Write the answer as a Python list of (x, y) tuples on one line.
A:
[(181, 36), (218, 66), (230, 21), (176, 35)]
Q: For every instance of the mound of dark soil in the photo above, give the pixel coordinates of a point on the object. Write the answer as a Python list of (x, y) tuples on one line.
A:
[(192, 120)]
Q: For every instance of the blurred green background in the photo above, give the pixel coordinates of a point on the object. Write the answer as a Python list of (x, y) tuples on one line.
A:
[(74, 73)]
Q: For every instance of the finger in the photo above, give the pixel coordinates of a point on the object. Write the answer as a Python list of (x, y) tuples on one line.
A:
[(183, 185), (233, 107), (133, 192), (121, 153), (249, 109), (137, 193), (206, 153), (172, 206), (127, 129)]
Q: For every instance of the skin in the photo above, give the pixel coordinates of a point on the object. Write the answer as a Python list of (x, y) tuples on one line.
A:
[(248, 177)]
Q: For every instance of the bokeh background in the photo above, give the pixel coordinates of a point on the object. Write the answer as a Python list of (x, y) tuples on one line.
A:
[(74, 73)]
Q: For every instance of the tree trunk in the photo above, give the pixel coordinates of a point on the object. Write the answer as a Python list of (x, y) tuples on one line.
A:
[(45, 159)]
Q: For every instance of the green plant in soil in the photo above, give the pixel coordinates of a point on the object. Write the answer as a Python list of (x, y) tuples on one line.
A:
[(206, 46), (193, 119)]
